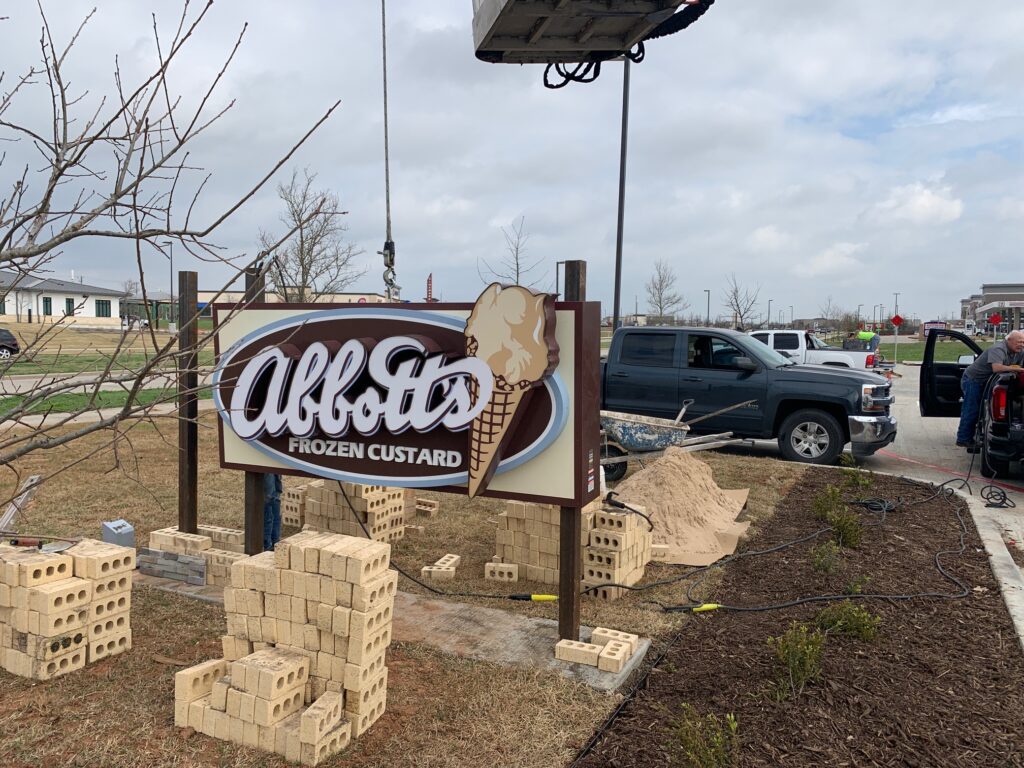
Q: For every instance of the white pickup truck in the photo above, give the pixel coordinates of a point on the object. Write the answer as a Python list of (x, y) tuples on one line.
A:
[(803, 347)]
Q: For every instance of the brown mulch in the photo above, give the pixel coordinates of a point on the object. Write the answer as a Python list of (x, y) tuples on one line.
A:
[(941, 685)]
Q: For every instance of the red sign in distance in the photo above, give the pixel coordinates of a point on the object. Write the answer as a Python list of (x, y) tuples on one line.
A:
[(896, 320), (995, 319)]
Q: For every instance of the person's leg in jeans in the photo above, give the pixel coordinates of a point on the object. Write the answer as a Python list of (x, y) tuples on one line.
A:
[(873, 344), (268, 526), (970, 410), (276, 529)]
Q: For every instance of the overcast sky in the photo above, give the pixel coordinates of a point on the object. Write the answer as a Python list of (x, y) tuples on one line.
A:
[(812, 148)]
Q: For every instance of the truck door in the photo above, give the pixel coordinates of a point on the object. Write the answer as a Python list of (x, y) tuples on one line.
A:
[(644, 377), (788, 343), (714, 382), (946, 356)]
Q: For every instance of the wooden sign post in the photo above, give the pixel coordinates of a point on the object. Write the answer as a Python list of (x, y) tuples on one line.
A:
[(188, 403)]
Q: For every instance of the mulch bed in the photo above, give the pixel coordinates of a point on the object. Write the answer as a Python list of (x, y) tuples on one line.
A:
[(941, 685)]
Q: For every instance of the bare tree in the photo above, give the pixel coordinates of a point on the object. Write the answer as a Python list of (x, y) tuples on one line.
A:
[(662, 298), (740, 300), (315, 261), (130, 286), (115, 167), (514, 268)]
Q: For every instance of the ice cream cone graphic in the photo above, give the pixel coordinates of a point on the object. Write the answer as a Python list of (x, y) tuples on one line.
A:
[(512, 330)]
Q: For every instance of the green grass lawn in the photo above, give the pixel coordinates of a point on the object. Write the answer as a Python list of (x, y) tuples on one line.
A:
[(85, 362), (72, 403), (945, 351)]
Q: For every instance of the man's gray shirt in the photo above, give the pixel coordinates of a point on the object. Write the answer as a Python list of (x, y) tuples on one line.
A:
[(981, 368)]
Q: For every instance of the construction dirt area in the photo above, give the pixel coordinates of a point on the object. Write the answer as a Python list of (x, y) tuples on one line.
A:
[(886, 674)]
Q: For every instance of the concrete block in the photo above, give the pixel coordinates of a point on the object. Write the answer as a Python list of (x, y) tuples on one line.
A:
[(321, 717), (270, 673), (501, 572), (363, 722), (118, 532), (112, 585), (375, 592), (367, 563), (112, 624), (603, 636), (181, 714), (270, 711), (286, 739), (107, 606), (576, 652), (96, 559), (613, 656), (437, 573), (361, 702), (219, 694), (427, 507), (33, 568), (195, 682), (329, 745), (341, 620), (364, 624), (59, 596), (370, 648), (197, 713), (110, 645), (619, 522), (449, 560), (357, 676), (41, 647)]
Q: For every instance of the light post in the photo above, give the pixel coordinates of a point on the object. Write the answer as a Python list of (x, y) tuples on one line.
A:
[(708, 321), (858, 315), (622, 193), (769, 311), (790, 315), (780, 317), (170, 308)]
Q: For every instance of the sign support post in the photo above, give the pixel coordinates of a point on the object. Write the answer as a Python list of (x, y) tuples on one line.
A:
[(570, 551), (188, 404), (255, 290)]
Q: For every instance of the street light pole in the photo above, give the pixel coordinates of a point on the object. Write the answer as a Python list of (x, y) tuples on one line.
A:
[(858, 314), (790, 315), (170, 307), (708, 321), (896, 346), (769, 311)]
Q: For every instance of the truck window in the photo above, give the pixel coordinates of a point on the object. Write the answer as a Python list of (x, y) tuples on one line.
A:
[(762, 337), (712, 352), (787, 341), (655, 349)]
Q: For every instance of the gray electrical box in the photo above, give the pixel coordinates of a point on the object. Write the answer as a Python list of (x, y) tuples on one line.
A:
[(119, 532)]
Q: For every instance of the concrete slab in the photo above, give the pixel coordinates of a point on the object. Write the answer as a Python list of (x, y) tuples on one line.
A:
[(468, 631), (490, 634)]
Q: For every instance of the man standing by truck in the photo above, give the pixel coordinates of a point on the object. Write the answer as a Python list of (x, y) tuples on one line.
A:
[(872, 339), (1001, 357)]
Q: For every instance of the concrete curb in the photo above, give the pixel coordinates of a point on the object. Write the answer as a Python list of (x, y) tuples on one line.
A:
[(1011, 582)]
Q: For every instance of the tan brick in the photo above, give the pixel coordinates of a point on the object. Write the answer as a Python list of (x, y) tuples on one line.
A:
[(110, 645), (370, 648), (321, 717), (603, 635), (107, 606), (576, 652), (219, 694), (42, 647), (358, 675), (112, 585), (362, 701), (58, 596), (195, 682), (33, 568), (437, 573), (361, 723), (286, 738), (181, 714), (113, 624), (449, 560), (367, 563), (270, 711), (613, 656), (375, 592), (329, 745), (363, 624), (270, 673)]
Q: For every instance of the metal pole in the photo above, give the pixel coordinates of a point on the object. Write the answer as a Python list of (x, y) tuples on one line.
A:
[(769, 312), (255, 290), (708, 322), (790, 315), (188, 403), (570, 558), (622, 193), (896, 346)]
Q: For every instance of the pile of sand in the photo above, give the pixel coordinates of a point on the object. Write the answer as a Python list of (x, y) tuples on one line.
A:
[(693, 517)]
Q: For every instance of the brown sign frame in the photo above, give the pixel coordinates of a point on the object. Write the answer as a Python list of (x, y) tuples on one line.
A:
[(584, 402)]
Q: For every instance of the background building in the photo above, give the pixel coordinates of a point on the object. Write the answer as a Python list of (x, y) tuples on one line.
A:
[(1004, 299), (25, 299)]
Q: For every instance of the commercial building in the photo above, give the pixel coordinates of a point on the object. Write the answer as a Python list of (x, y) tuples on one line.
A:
[(1003, 299)]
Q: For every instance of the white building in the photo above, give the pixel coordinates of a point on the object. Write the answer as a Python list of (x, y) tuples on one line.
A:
[(26, 299)]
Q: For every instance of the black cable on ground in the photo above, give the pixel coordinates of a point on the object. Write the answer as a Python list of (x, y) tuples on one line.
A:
[(611, 501)]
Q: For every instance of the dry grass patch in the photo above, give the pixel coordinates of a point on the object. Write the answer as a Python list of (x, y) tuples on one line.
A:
[(442, 711)]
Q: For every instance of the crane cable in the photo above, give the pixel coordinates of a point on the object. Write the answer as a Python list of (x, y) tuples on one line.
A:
[(390, 286)]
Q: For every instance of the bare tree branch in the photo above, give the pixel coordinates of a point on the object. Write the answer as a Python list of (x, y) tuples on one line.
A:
[(662, 298), (513, 268), (741, 301)]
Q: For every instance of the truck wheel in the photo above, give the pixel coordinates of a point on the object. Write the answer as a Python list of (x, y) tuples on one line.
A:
[(811, 436), (992, 467), (614, 472)]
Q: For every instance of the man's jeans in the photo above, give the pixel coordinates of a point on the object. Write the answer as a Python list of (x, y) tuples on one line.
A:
[(874, 342), (971, 408), (271, 524)]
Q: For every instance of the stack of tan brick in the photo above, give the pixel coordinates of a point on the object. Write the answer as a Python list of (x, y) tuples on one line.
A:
[(618, 551), (293, 505), (528, 536), (340, 507), (219, 547), (608, 650), (60, 611), (323, 602)]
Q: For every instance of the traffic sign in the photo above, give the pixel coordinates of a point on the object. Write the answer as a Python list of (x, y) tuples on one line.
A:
[(896, 320), (995, 319)]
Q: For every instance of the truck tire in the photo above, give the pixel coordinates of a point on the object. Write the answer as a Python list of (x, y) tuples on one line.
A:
[(614, 472), (811, 436), (990, 466)]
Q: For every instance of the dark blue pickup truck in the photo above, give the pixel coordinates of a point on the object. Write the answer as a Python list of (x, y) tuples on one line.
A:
[(813, 410)]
